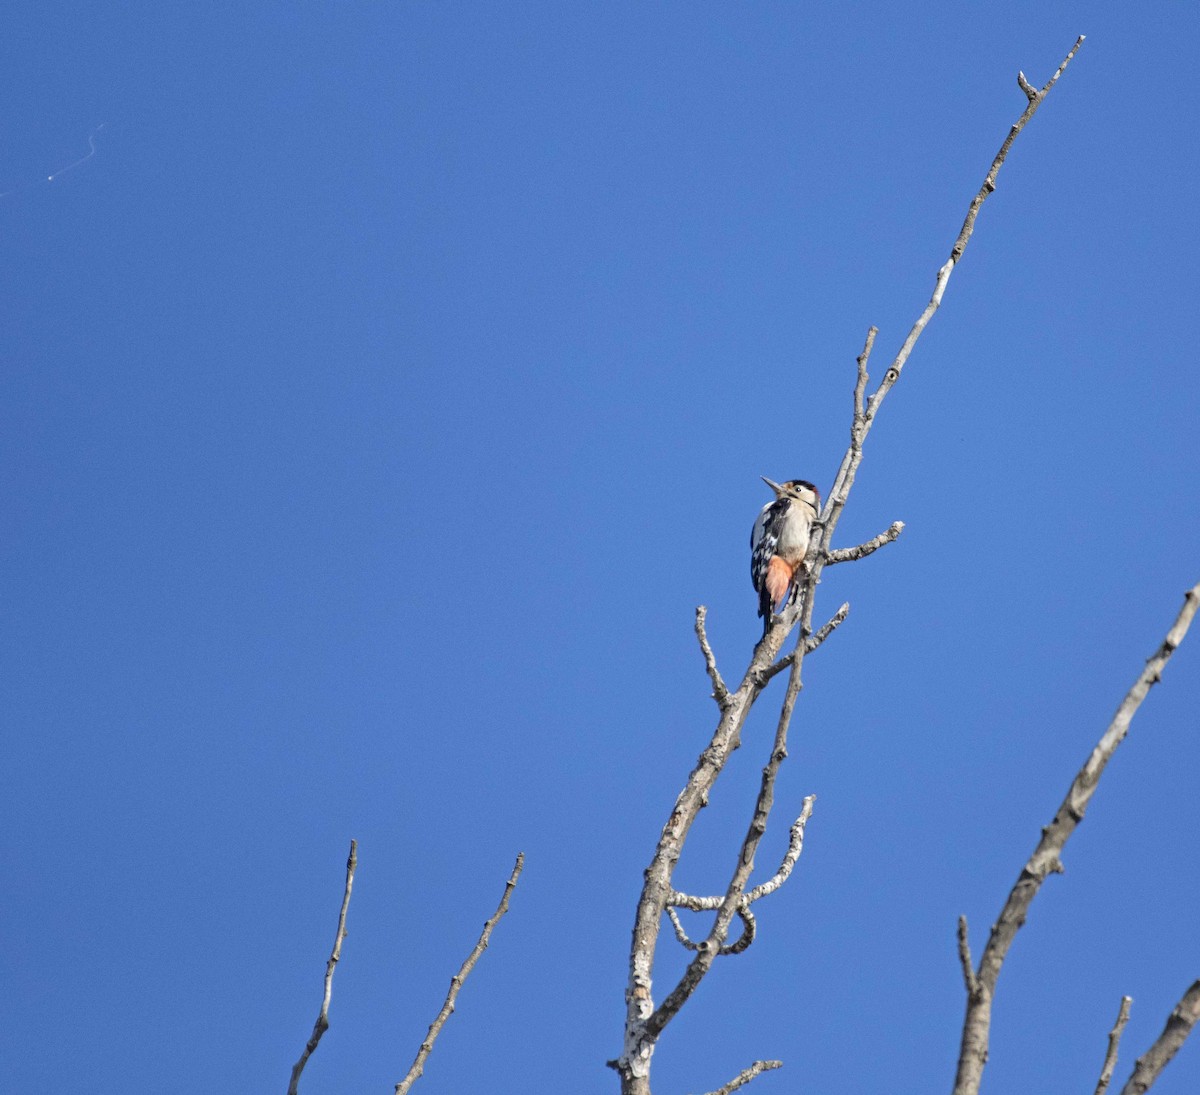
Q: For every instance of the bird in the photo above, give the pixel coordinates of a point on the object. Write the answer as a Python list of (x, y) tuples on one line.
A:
[(779, 542)]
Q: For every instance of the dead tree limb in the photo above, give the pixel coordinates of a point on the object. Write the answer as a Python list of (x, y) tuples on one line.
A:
[(322, 1023), (644, 1021), (1046, 860), (456, 982)]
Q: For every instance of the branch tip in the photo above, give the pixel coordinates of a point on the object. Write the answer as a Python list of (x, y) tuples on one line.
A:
[(1114, 1039)]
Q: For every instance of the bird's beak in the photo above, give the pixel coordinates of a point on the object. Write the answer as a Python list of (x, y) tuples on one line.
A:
[(774, 486)]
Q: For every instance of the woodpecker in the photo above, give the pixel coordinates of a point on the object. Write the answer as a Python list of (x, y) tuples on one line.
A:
[(779, 542)]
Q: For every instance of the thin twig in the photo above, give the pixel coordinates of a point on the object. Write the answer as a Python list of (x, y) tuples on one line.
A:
[(322, 1023), (1114, 1040), (456, 982), (746, 1075), (1174, 1034), (720, 692), (1046, 858), (861, 551)]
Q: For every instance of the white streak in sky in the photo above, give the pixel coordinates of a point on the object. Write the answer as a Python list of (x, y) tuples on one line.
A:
[(82, 160)]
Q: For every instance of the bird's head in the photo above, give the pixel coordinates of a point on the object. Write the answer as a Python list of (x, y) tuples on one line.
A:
[(799, 490)]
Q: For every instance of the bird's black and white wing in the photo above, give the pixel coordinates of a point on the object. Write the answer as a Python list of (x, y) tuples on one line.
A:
[(764, 540)]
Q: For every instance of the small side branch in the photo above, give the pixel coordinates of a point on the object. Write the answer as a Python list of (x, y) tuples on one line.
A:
[(860, 385), (1159, 1055), (746, 1075), (810, 644), (861, 551), (720, 692), (1114, 1040), (964, 958), (456, 982), (322, 1024), (794, 848)]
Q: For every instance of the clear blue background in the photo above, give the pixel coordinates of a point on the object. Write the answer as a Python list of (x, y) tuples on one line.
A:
[(377, 404)]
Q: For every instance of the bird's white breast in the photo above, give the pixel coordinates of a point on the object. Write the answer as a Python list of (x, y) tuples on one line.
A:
[(794, 534)]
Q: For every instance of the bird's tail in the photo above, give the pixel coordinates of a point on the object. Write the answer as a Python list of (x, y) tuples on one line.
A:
[(778, 590)]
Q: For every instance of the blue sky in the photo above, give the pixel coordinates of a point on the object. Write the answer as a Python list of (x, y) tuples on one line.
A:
[(383, 395)]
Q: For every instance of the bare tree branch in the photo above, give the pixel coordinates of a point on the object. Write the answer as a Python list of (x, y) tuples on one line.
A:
[(456, 982), (1114, 1040), (322, 1023), (860, 551), (1159, 1055), (720, 692), (746, 1075), (1046, 857), (644, 1022)]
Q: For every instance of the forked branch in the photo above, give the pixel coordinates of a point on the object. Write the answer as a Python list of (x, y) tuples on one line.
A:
[(644, 1021)]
